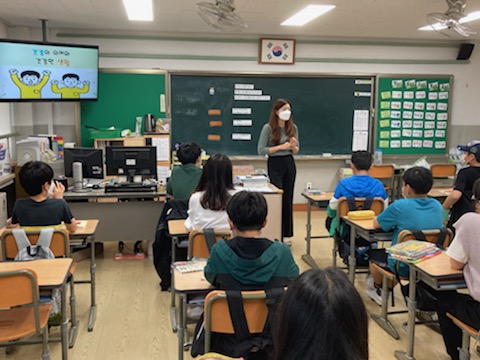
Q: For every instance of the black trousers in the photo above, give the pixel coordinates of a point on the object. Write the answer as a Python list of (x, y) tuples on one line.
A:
[(282, 173), (463, 307)]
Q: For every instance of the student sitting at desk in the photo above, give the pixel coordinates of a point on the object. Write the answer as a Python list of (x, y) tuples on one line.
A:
[(207, 205), (463, 253), (46, 206), (459, 201), (416, 212), (185, 177), (358, 185)]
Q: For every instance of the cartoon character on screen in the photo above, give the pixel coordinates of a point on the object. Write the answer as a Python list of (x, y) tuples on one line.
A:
[(29, 83), (70, 89)]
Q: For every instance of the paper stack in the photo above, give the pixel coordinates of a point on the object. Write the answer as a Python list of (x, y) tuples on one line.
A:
[(413, 251)]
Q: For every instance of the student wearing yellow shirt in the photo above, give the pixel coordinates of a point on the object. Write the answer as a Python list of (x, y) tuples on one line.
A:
[(70, 89), (29, 83)]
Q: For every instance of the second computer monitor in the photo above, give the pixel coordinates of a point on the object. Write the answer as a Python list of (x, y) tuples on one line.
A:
[(91, 159), (131, 161)]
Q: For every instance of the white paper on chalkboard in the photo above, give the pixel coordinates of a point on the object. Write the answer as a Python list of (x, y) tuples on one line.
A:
[(243, 111), (252, 97), (241, 136), (360, 140), (245, 86), (360, 120), (242, 122)]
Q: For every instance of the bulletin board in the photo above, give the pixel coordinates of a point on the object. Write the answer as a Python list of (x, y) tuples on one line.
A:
[(226, 112), (413, 113)]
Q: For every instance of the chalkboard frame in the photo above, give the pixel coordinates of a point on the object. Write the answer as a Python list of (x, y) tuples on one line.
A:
[(84, 132), (413, 151), (354, 76)]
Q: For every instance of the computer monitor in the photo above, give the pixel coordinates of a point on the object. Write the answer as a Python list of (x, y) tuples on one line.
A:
[(91, 159), (131, 161)]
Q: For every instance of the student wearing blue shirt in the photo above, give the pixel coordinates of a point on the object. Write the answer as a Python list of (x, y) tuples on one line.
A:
[(416, 212), (359, 185)]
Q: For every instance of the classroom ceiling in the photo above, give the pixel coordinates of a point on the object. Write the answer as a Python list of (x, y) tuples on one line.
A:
[(351, 19)]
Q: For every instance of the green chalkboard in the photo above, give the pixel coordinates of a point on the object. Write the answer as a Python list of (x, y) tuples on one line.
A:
[(413, 113), (121, 98), (203, 107)]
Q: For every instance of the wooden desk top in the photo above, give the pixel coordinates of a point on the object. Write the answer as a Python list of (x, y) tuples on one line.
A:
[(326, 196), (440, 192), (364, 224), (50, 272), (189, 282), (88, 230), (177, 227), (438, 266)]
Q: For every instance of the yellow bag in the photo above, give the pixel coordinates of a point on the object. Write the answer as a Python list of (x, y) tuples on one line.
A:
[(361, 214)]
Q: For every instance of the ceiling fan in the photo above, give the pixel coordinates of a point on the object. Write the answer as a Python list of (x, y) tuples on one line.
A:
[(221, 15), (452, 19)]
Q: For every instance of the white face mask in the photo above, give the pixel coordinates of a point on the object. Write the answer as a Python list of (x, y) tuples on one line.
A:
[(285, 115), (51, 188)]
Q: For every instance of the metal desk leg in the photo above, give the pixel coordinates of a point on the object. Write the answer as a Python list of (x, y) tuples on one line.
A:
[(352, 262), (382, 319), (307, 257), (181, 329), (173, 314), (72, 334), (93, 307), (64, 326), (412, 306)]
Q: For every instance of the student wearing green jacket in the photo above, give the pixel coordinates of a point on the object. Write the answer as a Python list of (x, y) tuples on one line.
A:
[(185, 177)]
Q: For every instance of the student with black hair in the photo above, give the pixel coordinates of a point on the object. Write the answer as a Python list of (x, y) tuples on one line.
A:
[(249, 259), (416, 212), (46, 206), (321, 317), (185, 177), (359, 185), (207, 205)]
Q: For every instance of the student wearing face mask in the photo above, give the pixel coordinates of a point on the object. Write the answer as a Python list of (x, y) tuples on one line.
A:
[(279, 141), (459, 201)]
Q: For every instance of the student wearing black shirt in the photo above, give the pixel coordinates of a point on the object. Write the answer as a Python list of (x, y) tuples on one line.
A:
[(460, 201)]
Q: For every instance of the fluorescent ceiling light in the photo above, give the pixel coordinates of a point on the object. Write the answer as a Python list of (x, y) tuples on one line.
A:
[(307, 14), (437, 26), (139, 10)]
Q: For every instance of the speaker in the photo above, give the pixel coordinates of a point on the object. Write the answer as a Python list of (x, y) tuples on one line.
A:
[(465, 51)]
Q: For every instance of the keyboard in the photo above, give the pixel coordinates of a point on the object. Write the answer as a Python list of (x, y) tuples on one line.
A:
[(130, 187)]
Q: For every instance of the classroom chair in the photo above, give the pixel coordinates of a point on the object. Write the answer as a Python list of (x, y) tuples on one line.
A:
[(443, 171), (467, 333), (384, 173), (388, 276), (377, 207), (217, 314), (60, 246), (21, 313), (197, 242)]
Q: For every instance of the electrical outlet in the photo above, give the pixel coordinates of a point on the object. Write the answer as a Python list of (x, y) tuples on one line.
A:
[(308, 185)]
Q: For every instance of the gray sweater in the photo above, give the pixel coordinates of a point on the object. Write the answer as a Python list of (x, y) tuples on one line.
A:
[(265, 141)]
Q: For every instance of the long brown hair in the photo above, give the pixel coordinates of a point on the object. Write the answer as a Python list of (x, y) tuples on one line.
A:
[(216, 180), (273, 122)]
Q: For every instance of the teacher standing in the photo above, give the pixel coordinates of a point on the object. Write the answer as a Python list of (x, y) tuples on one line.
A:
[(279, 140)]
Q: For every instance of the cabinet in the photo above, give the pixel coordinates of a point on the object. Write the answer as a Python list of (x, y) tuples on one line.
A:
[(161, 141)]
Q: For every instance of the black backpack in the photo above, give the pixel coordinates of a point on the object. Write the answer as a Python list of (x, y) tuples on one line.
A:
[(362, 246)]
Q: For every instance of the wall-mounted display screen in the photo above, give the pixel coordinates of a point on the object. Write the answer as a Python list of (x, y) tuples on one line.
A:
[(33, 71)]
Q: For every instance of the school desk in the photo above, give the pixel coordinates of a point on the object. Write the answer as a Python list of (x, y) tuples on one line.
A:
[(437, 273), (186, 284), (440, 193), (320, 201), (364, 229), (51, 274)]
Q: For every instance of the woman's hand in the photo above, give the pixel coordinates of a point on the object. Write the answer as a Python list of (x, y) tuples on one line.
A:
[(293, 142)]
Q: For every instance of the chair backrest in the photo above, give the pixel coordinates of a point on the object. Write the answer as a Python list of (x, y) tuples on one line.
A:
[(19, 288), (217, 314), (197, 244), (443, 170), (342, 208), (382, 172), (430, 235), (60, 244)]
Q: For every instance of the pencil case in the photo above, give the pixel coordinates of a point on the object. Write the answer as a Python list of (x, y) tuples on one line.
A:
[(361, 214)]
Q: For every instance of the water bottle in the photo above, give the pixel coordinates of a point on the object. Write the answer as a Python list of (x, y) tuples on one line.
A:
[(377, 157)]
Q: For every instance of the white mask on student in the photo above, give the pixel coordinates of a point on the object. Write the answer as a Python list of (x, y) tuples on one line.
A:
[(285, 115)]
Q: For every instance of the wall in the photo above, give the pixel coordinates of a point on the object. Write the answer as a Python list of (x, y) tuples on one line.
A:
[(312, 56), (5, 127)]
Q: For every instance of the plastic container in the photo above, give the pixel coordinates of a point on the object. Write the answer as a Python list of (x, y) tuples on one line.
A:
[(104, 134), (377, 157)]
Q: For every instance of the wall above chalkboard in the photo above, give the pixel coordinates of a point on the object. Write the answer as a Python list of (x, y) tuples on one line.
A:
[(225, 112)]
